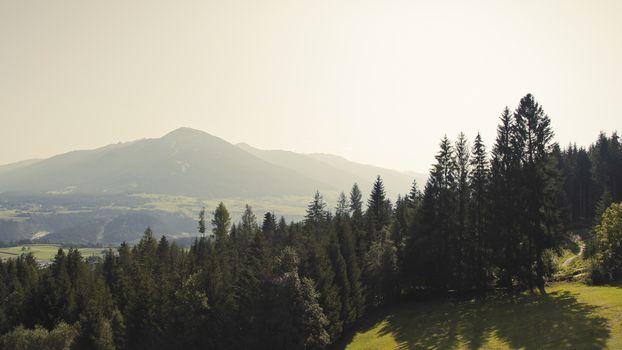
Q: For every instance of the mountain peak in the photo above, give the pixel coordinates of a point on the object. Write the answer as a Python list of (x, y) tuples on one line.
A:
[(184, 132)]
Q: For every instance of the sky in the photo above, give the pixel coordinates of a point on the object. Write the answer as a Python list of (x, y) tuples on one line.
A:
[(376, 81)]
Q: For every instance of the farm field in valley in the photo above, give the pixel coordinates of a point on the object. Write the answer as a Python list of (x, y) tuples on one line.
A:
[(44, 251)]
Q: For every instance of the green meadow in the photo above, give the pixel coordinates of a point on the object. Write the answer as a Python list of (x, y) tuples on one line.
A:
[(570, 316), (44, 251)]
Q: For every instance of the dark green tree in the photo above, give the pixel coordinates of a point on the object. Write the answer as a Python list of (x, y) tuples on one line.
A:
[(504, 234), (479, 183), (202, 227), (316, 211), (539, 187), (378, 208), (464, 248), (343, 207), (221, 222)]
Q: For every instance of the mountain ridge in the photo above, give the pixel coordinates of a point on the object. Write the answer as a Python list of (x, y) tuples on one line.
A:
[(188, 161)]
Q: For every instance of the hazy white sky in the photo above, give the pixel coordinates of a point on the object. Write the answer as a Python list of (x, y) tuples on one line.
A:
[(377, 81)]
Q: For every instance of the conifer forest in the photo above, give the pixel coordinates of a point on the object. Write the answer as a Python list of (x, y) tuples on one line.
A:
[(491, 219)]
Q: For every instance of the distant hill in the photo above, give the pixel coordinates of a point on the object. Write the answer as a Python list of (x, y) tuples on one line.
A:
[(194, 163), (16, 165), (395, 181), (338, 171), (184, 162)]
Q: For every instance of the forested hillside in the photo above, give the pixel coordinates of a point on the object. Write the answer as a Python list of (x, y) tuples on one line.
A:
[(489, 220)]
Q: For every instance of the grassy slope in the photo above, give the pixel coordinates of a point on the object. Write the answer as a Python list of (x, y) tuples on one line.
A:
[(43, 251), (571, 316)]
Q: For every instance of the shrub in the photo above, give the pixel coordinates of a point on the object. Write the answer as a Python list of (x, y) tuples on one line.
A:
[(608, 234)]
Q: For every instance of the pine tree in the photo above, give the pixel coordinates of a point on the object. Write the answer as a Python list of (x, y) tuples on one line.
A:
[(606, 157), (313, 321), (343, 208), (437, 240), (96, 330), (381, 271), (221, 223), (401, 222), (348, 311), (163, 252), (356, 202), (319, 268), (146, 249), (378, 208), (255, 267), (248, 225), (293, 317), (221, 274), (463, 245), (347, 245), (479, 181), (269, 225), (356, 209), (202, 221), (414, 196), (505, 238), (282, 233), (247, 228), (140, 313), (539, 184), (316, 211)]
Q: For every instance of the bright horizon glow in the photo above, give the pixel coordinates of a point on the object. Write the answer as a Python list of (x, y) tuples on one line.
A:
[(378, 82)]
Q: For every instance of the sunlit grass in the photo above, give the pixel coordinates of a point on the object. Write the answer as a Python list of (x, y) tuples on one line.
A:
[(571, 316)]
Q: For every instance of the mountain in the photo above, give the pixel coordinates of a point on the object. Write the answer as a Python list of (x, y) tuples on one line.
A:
[(16, 165), (338, 171), (194, 163), (396, 182), (111, 194), (184, 162), (302, 163)]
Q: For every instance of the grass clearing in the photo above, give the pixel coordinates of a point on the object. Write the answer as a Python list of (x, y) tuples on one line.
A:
[(571, 316), (44, 251)]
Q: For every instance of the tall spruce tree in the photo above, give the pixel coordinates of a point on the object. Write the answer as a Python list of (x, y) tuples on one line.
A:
[(269, 225), (202, 221), (464, 244), (540, 222), (347, 245), (439, 219), (316, 211), (378, 208), (221, 222), (356, 209), (319, 268), (479, 181), (413, 196), (356, 201), (503, 205), (343, 208)]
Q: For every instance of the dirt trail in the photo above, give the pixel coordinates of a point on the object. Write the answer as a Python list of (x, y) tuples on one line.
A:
[(573, 258)]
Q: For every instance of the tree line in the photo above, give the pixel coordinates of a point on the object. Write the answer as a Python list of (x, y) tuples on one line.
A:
[(484, 221)]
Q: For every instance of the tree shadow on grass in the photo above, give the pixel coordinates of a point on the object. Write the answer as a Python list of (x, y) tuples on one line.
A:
[(554, 321)]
